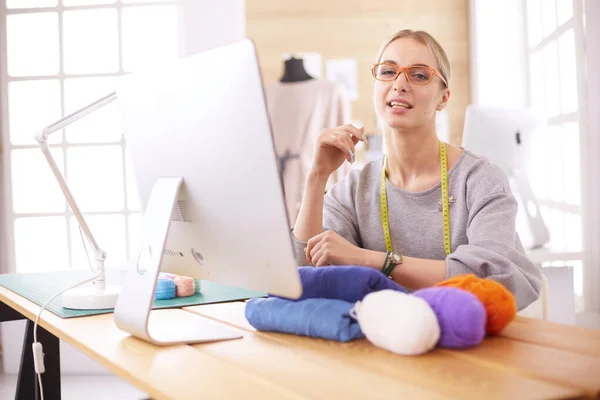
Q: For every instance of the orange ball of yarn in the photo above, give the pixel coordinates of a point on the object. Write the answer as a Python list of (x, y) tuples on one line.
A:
[(499, 303)]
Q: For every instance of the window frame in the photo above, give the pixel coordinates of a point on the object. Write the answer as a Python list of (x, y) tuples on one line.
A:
[(589, 146), (7, 215), (587, 13)]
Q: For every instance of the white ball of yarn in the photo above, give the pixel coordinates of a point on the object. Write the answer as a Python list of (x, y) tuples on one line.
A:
[(398, 322)]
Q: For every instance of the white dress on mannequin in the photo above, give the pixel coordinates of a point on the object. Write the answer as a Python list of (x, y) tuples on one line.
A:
[(298, 112)]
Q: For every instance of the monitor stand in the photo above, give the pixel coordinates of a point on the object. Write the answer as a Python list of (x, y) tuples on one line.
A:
[(133, 309), (538, 231)]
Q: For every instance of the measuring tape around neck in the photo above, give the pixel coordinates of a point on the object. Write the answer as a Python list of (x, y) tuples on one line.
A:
[(445, 203)]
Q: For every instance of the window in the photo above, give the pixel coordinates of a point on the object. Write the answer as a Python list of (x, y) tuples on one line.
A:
[(553, 32), (61, 56)]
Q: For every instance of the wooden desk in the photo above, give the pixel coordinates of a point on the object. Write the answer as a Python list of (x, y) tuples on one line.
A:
[(531, 359)]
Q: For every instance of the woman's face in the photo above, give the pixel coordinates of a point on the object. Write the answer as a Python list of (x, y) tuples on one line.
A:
[(417, 103)]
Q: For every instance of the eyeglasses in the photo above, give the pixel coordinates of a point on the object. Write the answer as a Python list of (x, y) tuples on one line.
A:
[(419, 75)]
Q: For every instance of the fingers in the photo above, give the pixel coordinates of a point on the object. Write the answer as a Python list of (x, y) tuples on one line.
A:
[(318, 254), (315, 249), (321, 258), (346, 139), (354, 135), (354, 131), (351, 143), (318, 248), (307, 257), (339, 139), (312, 242)]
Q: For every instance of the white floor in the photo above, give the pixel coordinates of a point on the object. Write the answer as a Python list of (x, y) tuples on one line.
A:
[(81, 387)]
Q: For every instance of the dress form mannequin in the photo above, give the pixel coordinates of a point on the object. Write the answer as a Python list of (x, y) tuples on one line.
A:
[(294, 71), (300, 106)]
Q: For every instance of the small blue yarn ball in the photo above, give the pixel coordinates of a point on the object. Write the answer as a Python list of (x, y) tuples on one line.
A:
[(165, 289)]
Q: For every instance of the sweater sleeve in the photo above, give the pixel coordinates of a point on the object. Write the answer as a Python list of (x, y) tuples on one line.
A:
[(339, 215), (494, 249)]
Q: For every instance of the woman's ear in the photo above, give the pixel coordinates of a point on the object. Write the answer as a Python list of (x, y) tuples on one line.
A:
[(443, 100)]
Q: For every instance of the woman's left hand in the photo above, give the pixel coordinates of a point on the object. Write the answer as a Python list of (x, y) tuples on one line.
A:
[(329, 248)]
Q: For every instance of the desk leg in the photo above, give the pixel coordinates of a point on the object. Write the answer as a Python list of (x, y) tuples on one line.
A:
[(9, 314), (27, 384)]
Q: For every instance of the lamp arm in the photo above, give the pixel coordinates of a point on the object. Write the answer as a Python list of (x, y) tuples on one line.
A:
[(41, 137)]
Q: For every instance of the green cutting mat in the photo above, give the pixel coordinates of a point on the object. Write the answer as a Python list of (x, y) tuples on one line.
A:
[(40, 287)]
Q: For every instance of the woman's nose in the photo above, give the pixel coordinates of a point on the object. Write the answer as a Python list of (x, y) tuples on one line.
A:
[(401, 83)]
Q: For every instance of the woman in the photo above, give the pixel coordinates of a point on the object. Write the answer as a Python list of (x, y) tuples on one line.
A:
[(435, 228)]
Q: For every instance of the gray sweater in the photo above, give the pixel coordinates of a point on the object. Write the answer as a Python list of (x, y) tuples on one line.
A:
[(482, 223)]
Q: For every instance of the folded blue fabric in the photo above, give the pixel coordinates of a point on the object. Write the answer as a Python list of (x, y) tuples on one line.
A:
[(320, 318), (344, 282)]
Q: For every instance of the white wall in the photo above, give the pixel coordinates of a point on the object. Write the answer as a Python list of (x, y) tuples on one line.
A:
[(208, 23), (203, 24), (591, 142), (498, 45)]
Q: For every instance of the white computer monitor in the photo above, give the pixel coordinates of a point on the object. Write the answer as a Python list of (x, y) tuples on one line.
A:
[(207, 174), (507, 137)]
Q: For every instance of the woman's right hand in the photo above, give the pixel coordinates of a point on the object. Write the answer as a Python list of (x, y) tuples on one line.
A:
[(334, 146)]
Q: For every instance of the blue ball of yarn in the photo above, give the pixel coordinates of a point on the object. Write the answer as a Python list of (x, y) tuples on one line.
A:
[(460, 314), (165, 289)]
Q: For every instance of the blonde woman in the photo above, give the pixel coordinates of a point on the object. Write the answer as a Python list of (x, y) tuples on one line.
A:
[(442, 210)]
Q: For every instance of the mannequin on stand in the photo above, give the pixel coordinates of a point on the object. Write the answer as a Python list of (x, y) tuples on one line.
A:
[(293, 72), (300, 106)]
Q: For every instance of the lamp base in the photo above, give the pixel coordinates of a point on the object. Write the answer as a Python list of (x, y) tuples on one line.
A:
[(91, 298)]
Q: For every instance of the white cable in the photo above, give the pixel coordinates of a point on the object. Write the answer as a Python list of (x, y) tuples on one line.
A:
[(38, 353), (41, 387)]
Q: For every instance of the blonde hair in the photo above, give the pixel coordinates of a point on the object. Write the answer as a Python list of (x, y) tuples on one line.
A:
[(426, 39)]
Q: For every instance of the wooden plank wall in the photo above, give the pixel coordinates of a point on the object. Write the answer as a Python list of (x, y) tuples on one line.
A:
[(356, 29)]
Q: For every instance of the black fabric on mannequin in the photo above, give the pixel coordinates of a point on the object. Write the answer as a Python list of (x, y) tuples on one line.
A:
[(294, 71)]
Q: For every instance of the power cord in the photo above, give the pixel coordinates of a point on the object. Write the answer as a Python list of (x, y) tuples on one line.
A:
[(38, 351), (38, 355)]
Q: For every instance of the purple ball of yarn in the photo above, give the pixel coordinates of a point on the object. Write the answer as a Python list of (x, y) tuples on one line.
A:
[(460, 314)]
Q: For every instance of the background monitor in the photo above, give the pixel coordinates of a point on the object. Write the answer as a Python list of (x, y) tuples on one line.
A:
[(507, 138)]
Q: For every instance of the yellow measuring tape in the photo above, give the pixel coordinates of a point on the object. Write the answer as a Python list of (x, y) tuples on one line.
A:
[(445, 203)]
